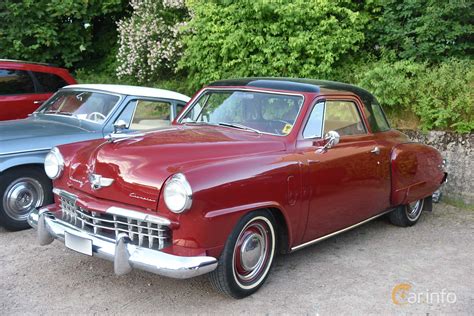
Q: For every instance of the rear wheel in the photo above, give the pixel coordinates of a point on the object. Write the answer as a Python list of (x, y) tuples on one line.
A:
[(247, 256), (22, 190), (407, 215)]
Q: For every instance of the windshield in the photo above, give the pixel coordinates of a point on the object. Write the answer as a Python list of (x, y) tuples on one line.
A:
[(258, 111), (85, 105)]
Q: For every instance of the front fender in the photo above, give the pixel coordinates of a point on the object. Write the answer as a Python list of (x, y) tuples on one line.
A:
[(22, 158), (224, 192)]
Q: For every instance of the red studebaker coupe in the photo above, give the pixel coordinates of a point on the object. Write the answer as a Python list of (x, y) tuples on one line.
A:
[(251, 168)]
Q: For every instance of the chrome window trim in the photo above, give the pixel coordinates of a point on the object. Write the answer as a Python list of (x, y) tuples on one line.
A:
[(191, 105)]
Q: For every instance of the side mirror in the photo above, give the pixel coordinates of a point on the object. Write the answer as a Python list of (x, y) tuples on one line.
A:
[(331, 139), (119, 126)]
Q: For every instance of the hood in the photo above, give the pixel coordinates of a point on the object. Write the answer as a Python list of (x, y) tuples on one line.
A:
[(37, 133), (139, 166)]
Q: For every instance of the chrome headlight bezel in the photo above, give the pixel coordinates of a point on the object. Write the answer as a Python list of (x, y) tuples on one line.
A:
[(177, 194), (54, 164)]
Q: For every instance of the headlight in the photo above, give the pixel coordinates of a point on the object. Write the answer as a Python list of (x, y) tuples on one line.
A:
[(54, 163), (178, 193)]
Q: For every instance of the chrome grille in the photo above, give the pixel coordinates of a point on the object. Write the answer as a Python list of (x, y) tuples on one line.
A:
[(142, 233)]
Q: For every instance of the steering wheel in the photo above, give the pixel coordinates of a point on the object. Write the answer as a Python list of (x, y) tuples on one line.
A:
[(96, 116), (277, 126)]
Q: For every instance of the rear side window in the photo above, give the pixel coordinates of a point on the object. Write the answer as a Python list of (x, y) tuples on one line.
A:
[(50, 82), (380, 118), (15, 82)]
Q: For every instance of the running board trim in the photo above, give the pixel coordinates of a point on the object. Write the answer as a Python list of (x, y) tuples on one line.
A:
[(315, 241)]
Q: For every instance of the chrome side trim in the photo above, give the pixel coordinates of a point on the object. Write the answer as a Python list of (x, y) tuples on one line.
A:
[(25, 151), (314, 241)]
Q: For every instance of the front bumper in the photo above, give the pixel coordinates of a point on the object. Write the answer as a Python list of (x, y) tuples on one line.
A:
[(121, 252)]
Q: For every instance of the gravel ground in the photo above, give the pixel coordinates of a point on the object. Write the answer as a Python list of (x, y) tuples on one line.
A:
[(352, 273)]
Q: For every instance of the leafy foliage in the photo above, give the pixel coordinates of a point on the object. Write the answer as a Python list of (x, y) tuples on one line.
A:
[(440, 96), (64, 32), (426, 30), (269, 38)]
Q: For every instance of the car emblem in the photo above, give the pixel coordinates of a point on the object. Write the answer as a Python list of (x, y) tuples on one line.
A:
[(97, 181)]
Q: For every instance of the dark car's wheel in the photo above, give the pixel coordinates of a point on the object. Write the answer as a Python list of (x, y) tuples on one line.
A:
[(22, 190), (247, 256), (407, 215)]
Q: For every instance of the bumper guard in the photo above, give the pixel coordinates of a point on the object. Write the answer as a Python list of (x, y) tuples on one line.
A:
[(121, 252)]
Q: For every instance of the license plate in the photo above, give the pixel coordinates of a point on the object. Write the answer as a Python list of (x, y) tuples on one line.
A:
[(79, 244)]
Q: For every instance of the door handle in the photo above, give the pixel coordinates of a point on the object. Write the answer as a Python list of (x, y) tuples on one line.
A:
[(38, 102), (376, 150)]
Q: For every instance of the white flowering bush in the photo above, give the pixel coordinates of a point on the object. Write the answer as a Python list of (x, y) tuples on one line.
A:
[(149, 40)]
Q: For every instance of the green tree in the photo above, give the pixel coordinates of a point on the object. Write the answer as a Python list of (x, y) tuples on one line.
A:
[(65, 32), (425, 30), (269, 38)]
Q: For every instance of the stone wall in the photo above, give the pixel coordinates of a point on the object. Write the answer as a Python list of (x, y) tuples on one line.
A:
[(458, 150)]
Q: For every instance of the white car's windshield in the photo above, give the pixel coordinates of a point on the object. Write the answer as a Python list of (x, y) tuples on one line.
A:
[(86, 105), (257, 111)]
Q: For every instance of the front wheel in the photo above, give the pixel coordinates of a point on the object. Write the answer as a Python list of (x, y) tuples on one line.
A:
[(22, 190), (247, 256), (407, 215)]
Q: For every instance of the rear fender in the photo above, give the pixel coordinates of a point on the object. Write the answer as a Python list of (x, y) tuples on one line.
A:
[(416, 172)]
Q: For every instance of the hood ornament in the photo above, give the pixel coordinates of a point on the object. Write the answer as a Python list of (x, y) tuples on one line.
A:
[(97, 181)]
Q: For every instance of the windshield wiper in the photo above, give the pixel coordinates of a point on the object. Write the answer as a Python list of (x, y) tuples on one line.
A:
[(61, 113), (239, 126), (197, 123)]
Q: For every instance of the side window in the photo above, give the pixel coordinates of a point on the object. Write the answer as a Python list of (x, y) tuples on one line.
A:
[(380, 117), (146, 114), (15, 82), (314, 127), (343, 117), (50, 82)]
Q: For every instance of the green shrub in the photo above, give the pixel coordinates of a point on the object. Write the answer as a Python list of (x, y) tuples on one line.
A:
[(424, 30), (446, 97), (440, 96), (269, 38)]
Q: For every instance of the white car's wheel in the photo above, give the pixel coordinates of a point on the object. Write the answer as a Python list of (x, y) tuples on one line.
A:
[(21, 191)]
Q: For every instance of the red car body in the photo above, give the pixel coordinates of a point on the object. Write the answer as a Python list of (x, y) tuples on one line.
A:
[(311, 193), (24, 86)]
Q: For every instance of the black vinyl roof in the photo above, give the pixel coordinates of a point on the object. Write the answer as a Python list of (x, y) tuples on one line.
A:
[(293, 84)]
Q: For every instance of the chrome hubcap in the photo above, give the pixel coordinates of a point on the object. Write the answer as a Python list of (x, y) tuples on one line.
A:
[(21, 197), (414, 209), (251, 252)]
